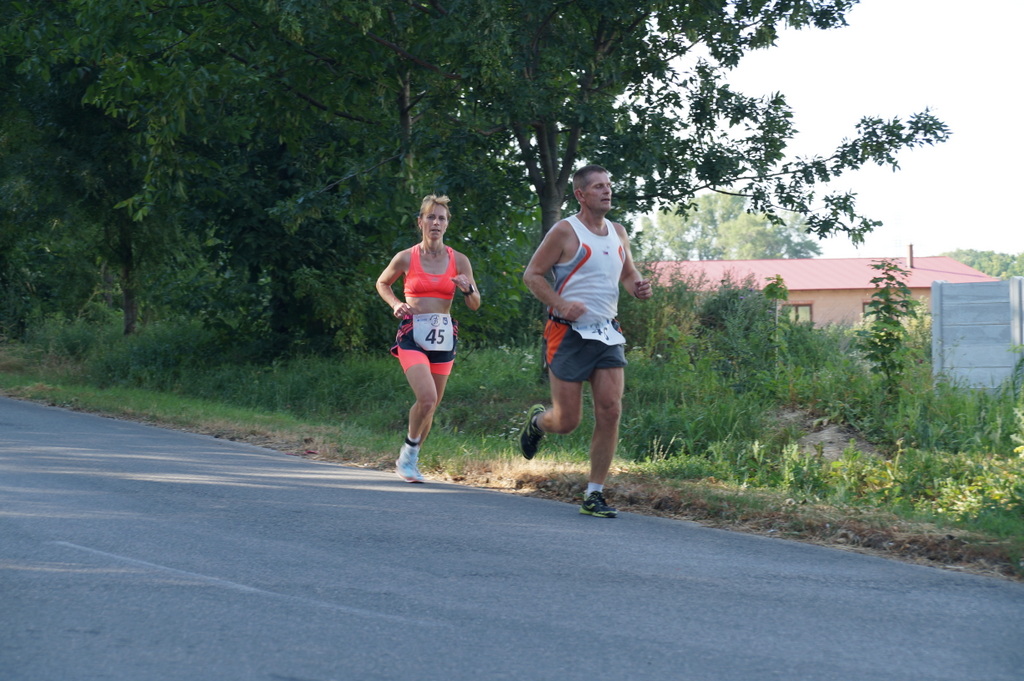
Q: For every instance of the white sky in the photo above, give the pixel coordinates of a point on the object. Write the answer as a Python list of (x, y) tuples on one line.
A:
[(961, 60)]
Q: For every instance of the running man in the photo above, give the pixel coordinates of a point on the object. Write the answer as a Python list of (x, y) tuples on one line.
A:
[(589, 256)]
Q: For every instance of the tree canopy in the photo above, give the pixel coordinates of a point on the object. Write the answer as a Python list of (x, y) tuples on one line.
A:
[(717, 226), (1002, 265), (281, 148)]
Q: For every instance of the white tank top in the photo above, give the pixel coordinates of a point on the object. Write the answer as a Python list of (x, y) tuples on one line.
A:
[(592, 276)]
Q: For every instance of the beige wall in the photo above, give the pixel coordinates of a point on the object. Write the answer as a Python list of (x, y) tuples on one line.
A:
[(842, 306)]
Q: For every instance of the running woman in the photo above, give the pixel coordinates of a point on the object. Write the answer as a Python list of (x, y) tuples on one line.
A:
[(427, 335)]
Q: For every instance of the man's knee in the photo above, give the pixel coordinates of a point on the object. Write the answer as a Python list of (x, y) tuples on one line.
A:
[(608, 411), (560, 422)]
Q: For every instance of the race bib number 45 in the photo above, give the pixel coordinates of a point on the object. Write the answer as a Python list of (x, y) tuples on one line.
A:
[(433, 331)]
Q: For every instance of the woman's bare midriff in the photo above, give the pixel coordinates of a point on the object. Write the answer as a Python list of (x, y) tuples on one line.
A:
[(430, 305)]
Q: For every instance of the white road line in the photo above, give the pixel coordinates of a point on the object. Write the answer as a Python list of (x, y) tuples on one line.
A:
[(235, 586)]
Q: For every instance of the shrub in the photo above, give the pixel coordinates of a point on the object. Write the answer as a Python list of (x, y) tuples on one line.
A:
[(891, 307)]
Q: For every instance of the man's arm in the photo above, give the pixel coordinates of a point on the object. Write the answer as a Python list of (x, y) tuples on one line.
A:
[(559, 241), (631, 278)]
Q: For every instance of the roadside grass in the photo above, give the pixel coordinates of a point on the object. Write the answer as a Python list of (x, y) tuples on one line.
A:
[(693, 445)]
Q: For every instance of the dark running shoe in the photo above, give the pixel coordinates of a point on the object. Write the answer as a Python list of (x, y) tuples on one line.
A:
[(530, 435), (594, 505)]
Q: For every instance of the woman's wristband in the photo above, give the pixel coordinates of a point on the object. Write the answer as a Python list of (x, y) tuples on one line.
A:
[(471, 291)]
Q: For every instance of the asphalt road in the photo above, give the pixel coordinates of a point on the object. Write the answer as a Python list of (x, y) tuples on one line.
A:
[(133, 553)]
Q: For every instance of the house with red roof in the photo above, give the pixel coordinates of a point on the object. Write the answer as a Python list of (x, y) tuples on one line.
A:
[(821, 290)]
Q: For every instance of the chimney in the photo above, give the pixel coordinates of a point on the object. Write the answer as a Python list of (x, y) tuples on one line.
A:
[(910, 256)]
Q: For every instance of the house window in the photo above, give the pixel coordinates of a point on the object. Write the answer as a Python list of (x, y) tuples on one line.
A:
[(798, 312), (865, 309)]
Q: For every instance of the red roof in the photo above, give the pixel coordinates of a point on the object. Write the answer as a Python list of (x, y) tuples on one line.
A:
[(820, 273)]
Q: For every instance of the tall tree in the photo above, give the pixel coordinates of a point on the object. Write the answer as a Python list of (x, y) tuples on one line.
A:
[(286, 161), (65, 167), (640, 87)]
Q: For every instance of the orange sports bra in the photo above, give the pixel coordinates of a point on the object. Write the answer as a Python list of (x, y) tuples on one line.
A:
[(420, 284)]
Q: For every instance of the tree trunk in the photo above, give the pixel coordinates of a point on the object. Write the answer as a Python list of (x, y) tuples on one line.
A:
[(404, 103), (551, 199), (108, 284), (129, 299), (548, 166)]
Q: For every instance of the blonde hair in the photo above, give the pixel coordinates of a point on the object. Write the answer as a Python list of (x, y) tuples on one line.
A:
[(430, 200)]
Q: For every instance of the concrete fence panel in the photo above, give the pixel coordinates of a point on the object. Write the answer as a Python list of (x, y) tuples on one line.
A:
[(977, 331)]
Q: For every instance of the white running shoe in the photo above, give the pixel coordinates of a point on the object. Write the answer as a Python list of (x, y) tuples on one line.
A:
[(406, 465)]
